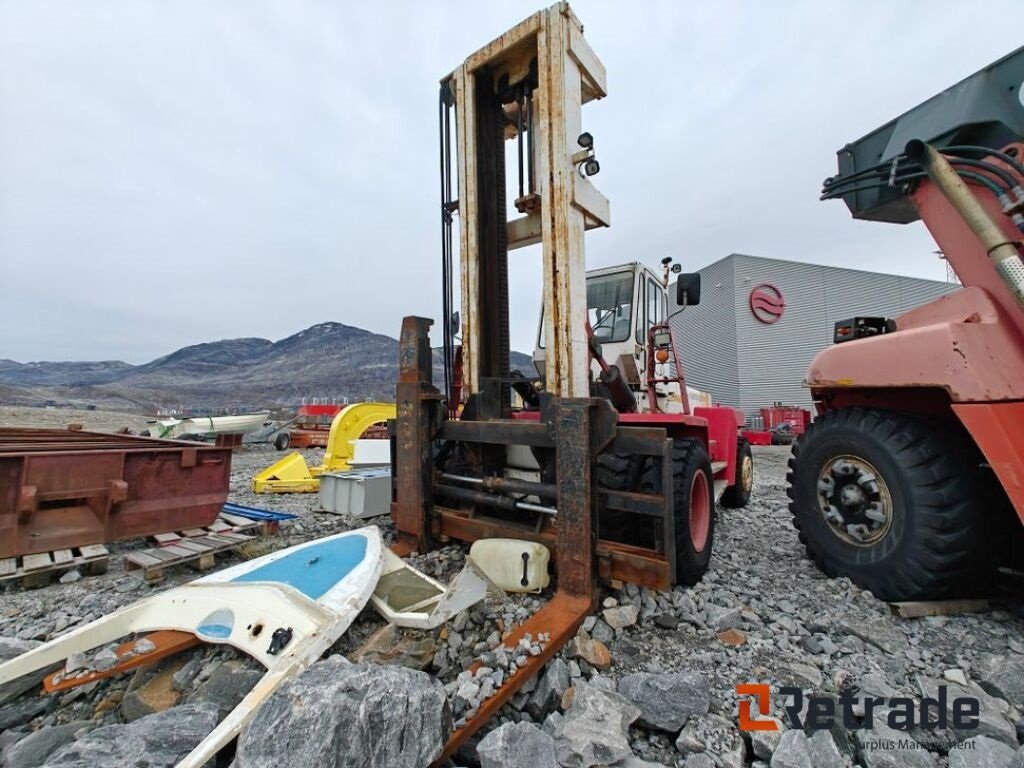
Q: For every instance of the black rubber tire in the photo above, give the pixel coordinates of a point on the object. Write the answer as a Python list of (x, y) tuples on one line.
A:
[(628, 472), (618, 471), (738, 494), (936, 546), (282, 441), (689, 457)]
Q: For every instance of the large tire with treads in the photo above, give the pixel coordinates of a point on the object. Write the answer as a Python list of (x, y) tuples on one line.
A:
[(693, 497), (893, 503)]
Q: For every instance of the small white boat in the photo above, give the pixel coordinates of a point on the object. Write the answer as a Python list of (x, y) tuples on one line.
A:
[(284, 609), (243, 424)]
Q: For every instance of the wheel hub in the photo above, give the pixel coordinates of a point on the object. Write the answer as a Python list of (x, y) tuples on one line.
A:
[(747, 474), (854, 500), (700, 511)]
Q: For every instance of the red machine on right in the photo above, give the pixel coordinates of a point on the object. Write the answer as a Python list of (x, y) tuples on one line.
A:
[(910, 480)]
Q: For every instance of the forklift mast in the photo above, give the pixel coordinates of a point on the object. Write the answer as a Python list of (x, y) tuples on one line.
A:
[(529, 85), (466, 464)]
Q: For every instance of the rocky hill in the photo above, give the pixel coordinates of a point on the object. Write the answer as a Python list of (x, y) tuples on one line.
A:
[(61, 373), (327, 360)]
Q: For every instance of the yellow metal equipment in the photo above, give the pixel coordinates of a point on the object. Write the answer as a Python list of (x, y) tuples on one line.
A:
[(292, 475)]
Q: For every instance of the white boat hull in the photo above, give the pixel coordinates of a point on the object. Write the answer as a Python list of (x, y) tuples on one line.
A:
[(310, 593), (243, 424)]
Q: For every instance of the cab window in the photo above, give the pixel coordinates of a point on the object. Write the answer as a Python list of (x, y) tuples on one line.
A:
[(610, 306), (641, 320), (654, 304)]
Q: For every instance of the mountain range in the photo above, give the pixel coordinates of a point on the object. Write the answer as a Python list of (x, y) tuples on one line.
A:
[(328, 360)]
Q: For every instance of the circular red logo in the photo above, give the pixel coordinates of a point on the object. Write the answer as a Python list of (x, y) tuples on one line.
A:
[(766, 303)]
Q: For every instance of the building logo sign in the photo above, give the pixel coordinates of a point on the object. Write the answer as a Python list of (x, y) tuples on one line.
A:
[(766, 303)]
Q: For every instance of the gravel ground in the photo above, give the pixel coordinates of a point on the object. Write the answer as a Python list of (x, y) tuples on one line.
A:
[(58, 418), (763, 613)]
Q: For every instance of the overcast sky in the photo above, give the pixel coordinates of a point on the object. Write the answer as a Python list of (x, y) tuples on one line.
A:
[(179, 172)]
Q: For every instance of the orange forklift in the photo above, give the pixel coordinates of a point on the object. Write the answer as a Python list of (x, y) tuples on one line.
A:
[(910, 480)]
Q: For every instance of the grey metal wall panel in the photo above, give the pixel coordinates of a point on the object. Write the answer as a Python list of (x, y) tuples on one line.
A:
[(914, 293), (774, 358), (767, 362), (706, 335)]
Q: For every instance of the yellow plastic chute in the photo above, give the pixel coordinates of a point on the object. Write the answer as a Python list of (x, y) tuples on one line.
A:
[(292, 475)]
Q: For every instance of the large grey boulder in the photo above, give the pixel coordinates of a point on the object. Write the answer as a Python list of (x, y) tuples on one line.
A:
[(798, 674), (156, 741), (549, 691), (666, 700), (595, 729), (980, 752), (764, 743), (992, 720), (21, 711), (716, 736), (349, 716), (9, 737), (1002, 676), (10, 648), (33, 750), (797, 750), (515, 745), (227, 686), (792, 751), (879, 632)]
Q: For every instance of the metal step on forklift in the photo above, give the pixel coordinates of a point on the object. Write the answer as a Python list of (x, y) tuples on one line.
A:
[(603, 458), (910, 480)]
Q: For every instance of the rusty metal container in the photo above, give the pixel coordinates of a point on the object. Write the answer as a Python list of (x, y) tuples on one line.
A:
[(67, 488)]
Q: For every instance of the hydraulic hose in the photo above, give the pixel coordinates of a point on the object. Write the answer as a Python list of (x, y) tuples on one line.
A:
[(1010, 160), (831, 192), (886, 170), (1001, 250)]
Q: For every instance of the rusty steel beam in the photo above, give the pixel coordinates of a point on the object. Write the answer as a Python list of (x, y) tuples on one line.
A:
[(576, 498), (61, 489), (498, 432), (166, 642), (560, 618), (419, 415)]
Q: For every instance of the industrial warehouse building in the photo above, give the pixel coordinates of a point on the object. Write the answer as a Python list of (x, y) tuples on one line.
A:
[(761, 321)]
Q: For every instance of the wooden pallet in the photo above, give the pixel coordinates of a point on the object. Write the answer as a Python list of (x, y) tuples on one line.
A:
[(198, 552), (39, 569), (225, 523), (913, 610), (196, 547)]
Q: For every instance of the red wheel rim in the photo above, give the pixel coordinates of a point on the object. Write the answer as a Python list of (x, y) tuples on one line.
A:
[(700, 511)]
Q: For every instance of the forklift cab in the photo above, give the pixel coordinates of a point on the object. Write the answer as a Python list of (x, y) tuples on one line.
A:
[(623, 303)]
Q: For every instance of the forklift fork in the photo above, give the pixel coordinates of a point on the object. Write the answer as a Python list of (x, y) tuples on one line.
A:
[(580, 429)]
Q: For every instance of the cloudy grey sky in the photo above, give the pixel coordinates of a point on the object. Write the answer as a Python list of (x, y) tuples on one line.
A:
[(177, 172)]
